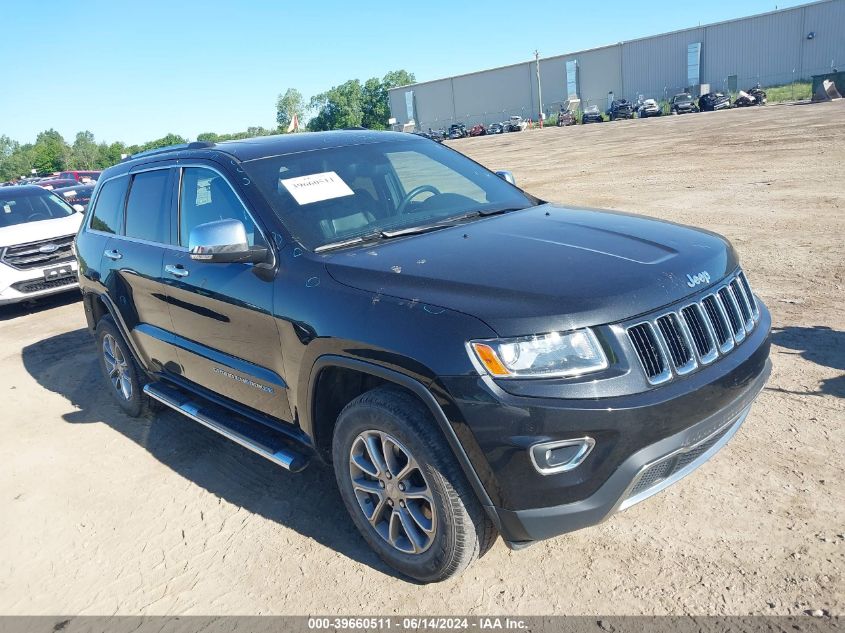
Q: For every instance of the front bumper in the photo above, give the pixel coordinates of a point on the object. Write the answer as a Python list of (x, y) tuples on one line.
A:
[(643, 441), (25, 285), (642, 475)]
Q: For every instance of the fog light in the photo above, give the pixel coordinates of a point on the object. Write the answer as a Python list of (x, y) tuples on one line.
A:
[(560, 456)]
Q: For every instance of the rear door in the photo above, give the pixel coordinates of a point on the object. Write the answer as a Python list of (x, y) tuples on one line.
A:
[(132, 263), (223, 313)]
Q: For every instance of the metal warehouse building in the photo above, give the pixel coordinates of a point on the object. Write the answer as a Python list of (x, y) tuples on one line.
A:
[(772, 48)]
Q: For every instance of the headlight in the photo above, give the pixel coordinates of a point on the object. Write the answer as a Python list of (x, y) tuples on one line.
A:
[(555, 354)]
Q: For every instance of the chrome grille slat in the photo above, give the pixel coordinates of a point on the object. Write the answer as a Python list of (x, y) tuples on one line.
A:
[(719, 322), (25, 256), (728, 302), (701, 333), (651, 356), (755, 311), (677, 342)]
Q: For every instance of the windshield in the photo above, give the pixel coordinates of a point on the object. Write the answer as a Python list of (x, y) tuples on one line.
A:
[(339, 194), (19, 206), (683, 98)]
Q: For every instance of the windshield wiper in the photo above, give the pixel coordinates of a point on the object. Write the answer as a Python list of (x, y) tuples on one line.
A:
[(480, 214), (413, 230)]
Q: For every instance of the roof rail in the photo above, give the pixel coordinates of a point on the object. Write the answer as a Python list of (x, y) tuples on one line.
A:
[(170, 148)]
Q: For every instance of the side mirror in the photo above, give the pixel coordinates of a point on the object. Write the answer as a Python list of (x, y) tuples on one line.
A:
[(224, 241), (78, 208), (506, 175)]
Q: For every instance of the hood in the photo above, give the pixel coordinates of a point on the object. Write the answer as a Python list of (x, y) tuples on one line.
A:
[(542, 269), (41, 230)]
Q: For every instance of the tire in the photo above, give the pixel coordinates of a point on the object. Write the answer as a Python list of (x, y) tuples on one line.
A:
[(127, 387), (399, 429)]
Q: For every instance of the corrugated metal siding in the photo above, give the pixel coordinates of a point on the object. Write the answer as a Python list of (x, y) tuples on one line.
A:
[(827, 21), (763, 49), (657, 67), (494, 95)]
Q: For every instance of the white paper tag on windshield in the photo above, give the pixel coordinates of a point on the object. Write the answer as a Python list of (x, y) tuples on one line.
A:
[(317, 187)]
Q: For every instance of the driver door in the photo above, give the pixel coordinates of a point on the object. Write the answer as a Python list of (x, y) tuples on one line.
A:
[(223, 312)]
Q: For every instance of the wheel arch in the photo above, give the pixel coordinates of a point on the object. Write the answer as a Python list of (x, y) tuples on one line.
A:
[(319, 427), (99, 305)]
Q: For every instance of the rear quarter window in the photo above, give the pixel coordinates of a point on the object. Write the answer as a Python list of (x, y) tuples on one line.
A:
[(107, 215)]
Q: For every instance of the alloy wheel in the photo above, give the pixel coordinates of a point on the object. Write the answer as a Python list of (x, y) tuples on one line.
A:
[(392, 492), (117, 367)]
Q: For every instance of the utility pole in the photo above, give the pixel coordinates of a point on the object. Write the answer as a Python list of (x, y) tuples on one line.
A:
[(539, 87)]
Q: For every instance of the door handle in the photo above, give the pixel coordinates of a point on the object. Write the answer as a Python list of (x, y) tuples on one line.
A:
[(113, 254), (176, 270)]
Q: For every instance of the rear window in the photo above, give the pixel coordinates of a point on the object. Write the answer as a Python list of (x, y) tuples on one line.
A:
[(108, 211), (148, 207)]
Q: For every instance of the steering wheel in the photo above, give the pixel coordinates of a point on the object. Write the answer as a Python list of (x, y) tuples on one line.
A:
[(413, 193), (34, 217)]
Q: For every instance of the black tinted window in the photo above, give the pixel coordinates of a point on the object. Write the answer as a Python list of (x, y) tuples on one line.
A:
[(207, 197), (148, 208), (108, 211)]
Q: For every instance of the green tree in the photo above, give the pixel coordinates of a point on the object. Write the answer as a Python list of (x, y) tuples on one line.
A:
[(9, 150), (340, 107), (396, 78), (164, 141), (108, 155), (84, 151), (50, 152), (288, 104)]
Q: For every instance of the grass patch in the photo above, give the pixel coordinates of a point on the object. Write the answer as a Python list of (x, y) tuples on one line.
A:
[(789, 92)]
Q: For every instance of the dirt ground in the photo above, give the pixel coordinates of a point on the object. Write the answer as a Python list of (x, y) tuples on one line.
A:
[(105, 514)]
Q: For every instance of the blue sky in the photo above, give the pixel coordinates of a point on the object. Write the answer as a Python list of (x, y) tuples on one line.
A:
[(134, 71)]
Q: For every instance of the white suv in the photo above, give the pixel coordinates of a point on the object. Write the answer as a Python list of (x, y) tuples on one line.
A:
[(37, 229)]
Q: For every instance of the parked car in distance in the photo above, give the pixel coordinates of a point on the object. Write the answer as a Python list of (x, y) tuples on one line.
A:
[(478, 130), (620, 109), (80, 176), (77, 195), (713, 101), (591, 114), (649, 108), (261, 289), (496, 128), (682, 103), (516, 124), (566, 117), (55, 183), (458, 130), (36, 237)]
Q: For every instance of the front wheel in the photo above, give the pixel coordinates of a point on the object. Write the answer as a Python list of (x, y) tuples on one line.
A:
[(404, 489)]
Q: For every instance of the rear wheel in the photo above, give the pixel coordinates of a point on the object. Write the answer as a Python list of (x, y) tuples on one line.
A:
[(404, 489), (124, 377)]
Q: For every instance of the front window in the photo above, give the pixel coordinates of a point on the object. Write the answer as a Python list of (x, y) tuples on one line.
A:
[(19, 206), (339, 194), (207, 197)]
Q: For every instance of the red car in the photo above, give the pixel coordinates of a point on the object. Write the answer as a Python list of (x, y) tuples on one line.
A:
[(55, 183), (478, 130), (80, 176)]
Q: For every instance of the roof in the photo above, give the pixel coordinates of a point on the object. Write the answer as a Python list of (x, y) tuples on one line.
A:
[(260, 147)]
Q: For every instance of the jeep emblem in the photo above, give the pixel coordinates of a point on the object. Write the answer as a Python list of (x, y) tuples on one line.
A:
[(701, 278)]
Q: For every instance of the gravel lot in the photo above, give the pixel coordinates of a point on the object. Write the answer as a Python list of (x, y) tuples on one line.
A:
[(104, 514)]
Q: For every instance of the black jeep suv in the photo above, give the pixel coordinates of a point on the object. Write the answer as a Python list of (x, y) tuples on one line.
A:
[(471, 360)]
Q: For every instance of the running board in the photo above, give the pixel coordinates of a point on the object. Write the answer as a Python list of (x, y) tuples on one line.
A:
[(251, 435)]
